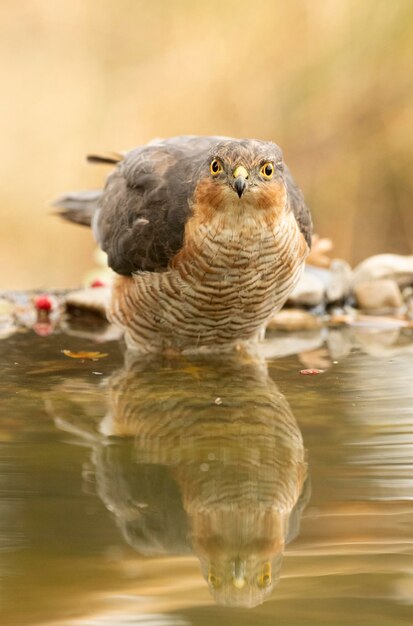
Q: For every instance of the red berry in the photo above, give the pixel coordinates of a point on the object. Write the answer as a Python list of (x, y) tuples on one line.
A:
[(311, 372), (97, 283), (43, 303)]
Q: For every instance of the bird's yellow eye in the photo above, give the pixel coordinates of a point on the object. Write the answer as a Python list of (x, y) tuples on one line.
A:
[(267, 170), (214, 581), (265, 578), (215, 167)]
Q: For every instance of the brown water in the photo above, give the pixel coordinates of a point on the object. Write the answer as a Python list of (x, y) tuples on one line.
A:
[(197, 491)]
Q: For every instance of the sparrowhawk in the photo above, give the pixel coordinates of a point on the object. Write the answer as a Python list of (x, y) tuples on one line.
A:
[(207, 234)]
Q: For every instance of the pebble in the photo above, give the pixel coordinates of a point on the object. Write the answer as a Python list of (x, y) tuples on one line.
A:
[(379, 321), (7, 318), (341, 318), (378, 294), (309, 290), (340, 283), (385, 266), (408, 298), (294, 319), (90, 299), (318, 285), (6, 307)]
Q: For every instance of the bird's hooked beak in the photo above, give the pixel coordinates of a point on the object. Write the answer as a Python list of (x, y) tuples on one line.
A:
[(240, 175), (238, 579)]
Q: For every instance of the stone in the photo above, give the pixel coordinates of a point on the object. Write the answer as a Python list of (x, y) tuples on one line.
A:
[(319, 285), (294, 319), (408, 299), (396, 267), (369, 322), (98, 329), (309, 290), (341, 279), (378, 294), (321, 248), (95, 300), (7, 308)]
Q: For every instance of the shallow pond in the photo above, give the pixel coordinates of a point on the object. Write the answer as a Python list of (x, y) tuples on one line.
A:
[(205, 490)]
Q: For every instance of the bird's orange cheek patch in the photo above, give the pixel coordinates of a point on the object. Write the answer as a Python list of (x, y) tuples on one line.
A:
[(208, 198), (271, 196)]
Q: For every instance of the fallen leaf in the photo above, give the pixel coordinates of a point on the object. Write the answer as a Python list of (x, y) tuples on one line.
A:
[(85, 355)]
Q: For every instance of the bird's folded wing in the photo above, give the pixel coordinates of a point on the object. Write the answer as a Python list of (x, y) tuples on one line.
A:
[(147, 202)]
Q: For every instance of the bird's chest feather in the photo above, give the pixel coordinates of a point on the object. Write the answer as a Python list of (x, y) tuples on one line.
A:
[(222, 286), (234, 261)]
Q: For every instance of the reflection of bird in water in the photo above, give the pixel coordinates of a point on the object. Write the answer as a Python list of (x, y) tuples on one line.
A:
[(216, 463), (207, 234)]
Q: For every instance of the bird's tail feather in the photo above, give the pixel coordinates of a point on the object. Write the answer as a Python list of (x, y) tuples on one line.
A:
[(109, 158), (79, 206)]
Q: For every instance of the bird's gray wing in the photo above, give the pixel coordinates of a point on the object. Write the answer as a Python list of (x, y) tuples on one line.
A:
[(299, 207), (147, 201)]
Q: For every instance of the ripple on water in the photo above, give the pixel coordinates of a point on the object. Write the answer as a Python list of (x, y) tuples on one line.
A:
[(134, 497)]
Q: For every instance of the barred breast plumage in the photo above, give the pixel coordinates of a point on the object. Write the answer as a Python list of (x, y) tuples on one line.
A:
[(222, 289), (208, 235)]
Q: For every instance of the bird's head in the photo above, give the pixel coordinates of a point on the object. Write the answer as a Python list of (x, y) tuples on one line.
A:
[(240, 549), (242, 174), (242, 580)]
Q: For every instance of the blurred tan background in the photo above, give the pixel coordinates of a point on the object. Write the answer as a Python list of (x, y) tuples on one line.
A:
[(331, 81)]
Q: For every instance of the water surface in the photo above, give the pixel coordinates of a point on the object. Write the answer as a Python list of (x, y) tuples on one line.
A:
[(198, 490)]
